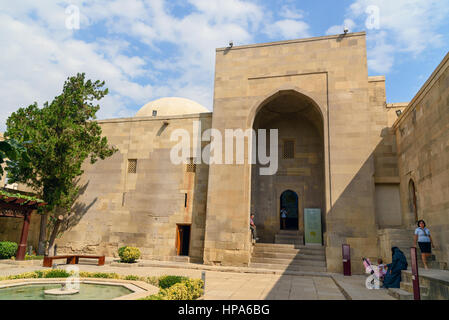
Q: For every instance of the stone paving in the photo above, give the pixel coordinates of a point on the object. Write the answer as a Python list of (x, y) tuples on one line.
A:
[(221, 285)]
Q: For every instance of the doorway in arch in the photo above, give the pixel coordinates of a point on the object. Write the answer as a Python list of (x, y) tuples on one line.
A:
[(289, 202)]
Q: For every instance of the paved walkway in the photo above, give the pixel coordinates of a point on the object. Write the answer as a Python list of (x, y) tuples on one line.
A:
[(247, 286), (354, 287)]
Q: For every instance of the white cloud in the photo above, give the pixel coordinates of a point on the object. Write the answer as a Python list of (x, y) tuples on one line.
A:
[(381, 55), (33, 67), (412, 22), (290, 12), (405, 26), (288, 29), (127, 44), (338, 29)]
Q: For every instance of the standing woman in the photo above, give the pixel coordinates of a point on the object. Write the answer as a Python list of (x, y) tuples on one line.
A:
[(284, 213), (422, 236)]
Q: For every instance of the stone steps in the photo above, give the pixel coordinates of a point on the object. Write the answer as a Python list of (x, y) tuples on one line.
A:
[(432, 262), (291, 252), (288, 241), (400, 294), (288, 246), (408, 286), (289, 237), (402, 243), (296, 256), (434, 284), (289, 232), (289, 262), (403, 239), (288, 257), (287, 267)]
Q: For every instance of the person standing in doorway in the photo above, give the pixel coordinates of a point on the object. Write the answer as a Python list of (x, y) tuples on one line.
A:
[(422, 236), (284, 213), (252, 226)]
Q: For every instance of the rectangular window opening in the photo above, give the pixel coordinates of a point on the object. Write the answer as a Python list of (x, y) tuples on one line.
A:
[(132, 165), (288, 151), (191, 167)]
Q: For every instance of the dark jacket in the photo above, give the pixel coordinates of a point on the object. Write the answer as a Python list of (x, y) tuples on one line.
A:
[(399, 262)]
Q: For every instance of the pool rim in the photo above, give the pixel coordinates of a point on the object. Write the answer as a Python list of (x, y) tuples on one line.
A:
[(139, 289)]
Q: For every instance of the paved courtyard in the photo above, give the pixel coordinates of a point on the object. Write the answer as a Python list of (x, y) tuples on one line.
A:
[(248, 286)]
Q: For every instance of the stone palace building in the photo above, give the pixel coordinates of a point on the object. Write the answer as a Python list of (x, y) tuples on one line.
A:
[(352, 168)]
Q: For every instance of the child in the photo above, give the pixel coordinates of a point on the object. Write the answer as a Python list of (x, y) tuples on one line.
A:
[(382, 269)]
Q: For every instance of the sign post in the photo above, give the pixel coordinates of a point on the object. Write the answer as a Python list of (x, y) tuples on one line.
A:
[(415, 276), (346, 253)]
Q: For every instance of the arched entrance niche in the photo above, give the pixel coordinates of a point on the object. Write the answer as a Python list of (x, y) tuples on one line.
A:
[(299, 122), (289, 202)]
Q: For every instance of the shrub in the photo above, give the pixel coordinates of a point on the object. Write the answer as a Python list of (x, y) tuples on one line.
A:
[(132, 277), (166, 282), (103, 275), (8, 249), (128, 254), (195, 287), (56, 273), (186, 290), (153, 297), (153, 281), (120, 251), (178, 291), (20, 276)]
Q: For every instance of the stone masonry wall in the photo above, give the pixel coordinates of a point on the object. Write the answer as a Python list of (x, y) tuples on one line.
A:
[(422, 135), (332, 71), (141, 209)]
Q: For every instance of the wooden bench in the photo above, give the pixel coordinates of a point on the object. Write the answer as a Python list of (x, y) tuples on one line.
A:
[(72, 259)]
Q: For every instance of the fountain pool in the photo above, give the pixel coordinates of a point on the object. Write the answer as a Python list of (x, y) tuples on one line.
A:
[(87, 291)]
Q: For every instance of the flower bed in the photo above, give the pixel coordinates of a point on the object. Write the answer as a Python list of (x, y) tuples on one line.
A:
[(171, 287)]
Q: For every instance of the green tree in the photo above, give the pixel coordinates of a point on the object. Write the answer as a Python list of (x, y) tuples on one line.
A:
[(63, 134), (12, 150)]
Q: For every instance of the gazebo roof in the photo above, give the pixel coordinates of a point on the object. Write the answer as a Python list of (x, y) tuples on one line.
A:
[(15, 198), (17, 205)]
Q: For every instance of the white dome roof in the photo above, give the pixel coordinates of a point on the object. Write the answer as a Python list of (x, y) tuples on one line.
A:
[(171, 107)]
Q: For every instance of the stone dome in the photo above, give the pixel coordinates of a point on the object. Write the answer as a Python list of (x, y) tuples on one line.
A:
[(170, 107)]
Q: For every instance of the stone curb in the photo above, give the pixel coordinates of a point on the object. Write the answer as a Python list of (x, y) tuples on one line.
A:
[(140, 289), (219, 268)]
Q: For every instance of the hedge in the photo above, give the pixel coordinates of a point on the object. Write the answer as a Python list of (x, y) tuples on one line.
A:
[(166, 282), (8, 249)]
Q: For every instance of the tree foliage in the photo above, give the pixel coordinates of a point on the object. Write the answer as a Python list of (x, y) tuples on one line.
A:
[(11, 150), (63, 135)]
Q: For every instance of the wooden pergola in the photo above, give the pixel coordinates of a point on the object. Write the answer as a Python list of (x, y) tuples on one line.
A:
[(18, 206)]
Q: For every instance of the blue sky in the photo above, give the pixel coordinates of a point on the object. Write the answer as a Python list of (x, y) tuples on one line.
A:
[(147, 49)]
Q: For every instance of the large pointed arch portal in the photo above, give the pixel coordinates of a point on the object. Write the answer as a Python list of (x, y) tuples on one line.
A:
[(300, 180)]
